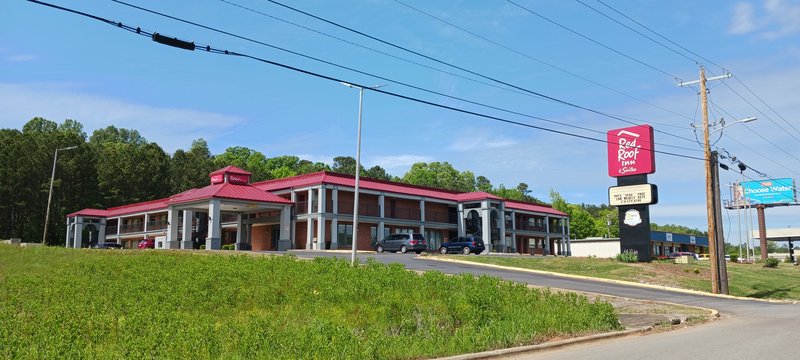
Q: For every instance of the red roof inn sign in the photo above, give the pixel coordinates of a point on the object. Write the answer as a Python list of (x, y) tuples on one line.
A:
[(630, 151)]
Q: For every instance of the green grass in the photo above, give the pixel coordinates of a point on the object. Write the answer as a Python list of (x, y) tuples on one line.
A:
[(749, 280), (64, 303)]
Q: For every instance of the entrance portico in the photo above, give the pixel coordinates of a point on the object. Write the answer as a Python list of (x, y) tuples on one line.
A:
[(230, 192)]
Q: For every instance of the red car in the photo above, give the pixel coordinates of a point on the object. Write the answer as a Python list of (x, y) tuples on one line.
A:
[(147, 244)]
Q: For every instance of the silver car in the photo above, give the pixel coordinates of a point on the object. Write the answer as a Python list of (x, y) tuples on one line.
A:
[(402, 243)]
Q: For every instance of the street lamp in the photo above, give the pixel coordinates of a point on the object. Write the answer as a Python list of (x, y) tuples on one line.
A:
[(50, 193), (358, 166), (742, 121)]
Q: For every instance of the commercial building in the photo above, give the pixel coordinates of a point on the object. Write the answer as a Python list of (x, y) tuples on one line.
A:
[(662, 243), (315, 211)]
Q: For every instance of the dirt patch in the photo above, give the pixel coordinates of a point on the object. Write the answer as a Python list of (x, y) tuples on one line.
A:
[(634, 314), (666, 274)]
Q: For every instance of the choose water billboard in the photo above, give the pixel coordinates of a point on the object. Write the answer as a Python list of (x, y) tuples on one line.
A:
[(772, 191)]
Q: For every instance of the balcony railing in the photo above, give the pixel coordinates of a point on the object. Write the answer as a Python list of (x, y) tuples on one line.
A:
[(111, 229), (527, 227), (441, 217), (157, 225), (228, 218), (131, 228), (346, 207)]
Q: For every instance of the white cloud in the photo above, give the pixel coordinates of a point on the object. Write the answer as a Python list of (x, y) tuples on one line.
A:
[(742, 21), (478, 138), (171, 128), (778, 18), (21, 58)]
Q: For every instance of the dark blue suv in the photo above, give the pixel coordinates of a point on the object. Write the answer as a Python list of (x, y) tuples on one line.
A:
[(463, 244)]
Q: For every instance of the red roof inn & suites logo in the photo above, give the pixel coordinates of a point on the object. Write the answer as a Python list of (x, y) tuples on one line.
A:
[(630, 151)]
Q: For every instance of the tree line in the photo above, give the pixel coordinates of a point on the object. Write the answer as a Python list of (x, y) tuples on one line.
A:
[(117, 166)]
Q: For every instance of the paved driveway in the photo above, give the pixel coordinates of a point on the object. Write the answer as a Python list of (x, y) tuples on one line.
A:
[(753, 329)]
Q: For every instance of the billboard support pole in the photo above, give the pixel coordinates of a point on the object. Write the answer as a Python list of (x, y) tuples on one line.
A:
[(762, 231)]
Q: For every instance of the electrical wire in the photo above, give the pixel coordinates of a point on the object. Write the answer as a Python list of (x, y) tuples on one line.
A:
[(388, 79), (540, 61), (544, 96), (661, 36), (210, 49), (765, 104), (675, 77)]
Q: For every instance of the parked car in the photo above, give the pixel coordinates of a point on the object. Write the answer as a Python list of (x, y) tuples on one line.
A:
[(402, 242), (107, 245), (147, 244), (463, 244), (683, 253)]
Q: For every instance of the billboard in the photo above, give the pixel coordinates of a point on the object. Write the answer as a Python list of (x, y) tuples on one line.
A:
[(630, 151), (768, 192)]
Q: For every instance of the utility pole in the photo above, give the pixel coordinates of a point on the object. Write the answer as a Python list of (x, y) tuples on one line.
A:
[(719, 274)]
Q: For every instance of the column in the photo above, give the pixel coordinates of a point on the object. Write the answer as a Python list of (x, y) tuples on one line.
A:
[(501, 220), (335, 220), (486, 226), (68, 242), (240, 235), (101, 232), (514, 231), (78, 232), (147, 220), (569, 241), (119, 227), (321, 219), (309, 234), (382, 212), (214, 239), (292, 221), (186, 242), (462, 226), (547, 245), (310, 202), (172, 229), (285, 240), (422, 216)]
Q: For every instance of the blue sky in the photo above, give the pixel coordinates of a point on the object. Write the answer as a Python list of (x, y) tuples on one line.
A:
[(59, 66)]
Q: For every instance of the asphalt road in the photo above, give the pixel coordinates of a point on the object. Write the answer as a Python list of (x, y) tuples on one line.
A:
[(749, 329)]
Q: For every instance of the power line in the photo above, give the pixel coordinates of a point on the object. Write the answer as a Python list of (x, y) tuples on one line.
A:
[(210, 49), (540, 61), (638, 32), (388, 79), (765, 104), (661, 36), (374, 75), (593, 41), (707, 60), (551, 98)]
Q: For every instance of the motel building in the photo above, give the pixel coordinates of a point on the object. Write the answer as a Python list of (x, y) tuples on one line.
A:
[(315, 212)]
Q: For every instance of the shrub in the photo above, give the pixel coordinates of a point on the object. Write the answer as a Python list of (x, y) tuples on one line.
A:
[(771, 263), (229, 247), (734, 258), (628, 256), (202, 247)]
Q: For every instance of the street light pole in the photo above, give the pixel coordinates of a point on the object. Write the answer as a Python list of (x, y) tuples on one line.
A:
[(50, 193), (358, 168)]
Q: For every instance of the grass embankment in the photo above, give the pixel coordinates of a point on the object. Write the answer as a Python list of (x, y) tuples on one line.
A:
[(749, 280), (63, 303)]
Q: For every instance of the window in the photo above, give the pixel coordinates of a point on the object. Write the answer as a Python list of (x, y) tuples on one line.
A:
[(374, 233), (345, 234)]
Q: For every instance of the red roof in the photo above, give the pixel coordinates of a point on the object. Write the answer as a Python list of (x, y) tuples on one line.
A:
[(517, 205), (349, 180), (228, 191), (89, 212), (395, 187), (231, 170)]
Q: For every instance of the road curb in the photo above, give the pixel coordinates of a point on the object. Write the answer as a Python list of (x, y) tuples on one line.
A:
[(546, 346), (611, 281)]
